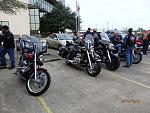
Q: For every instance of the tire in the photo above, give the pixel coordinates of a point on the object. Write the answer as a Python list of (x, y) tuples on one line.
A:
[(48, 45), (59, 47), (95, 70), (68, 63), (115, 64), (137, 59), (31, 92)]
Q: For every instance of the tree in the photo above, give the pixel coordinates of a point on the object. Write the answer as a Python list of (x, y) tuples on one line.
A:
[(11, 6), (59, 19)]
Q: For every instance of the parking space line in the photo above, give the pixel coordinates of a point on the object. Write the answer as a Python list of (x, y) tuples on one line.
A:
[(129, 80), (146, 63), (44, 104)]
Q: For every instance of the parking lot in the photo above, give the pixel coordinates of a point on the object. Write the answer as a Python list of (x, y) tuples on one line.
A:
[(73, 91)]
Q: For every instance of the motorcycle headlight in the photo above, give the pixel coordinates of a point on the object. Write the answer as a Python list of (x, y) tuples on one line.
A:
[(41, 58), (91, 49)]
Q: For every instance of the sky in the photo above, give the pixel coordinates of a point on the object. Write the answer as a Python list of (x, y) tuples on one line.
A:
[(113, 14)]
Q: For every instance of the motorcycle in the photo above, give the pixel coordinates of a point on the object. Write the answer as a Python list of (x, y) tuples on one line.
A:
[(29, 68), (137, 55), (82, 56), (105, 50)]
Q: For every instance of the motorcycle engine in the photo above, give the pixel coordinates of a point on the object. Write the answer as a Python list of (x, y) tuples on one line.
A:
[(77, 59), (23, 66)]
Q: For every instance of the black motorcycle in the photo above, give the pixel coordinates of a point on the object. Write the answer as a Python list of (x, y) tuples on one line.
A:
[(105, 50), (82, 56), (137, 55), (29, 68)]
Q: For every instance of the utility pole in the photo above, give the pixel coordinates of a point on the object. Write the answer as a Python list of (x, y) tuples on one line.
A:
[(77, 16), (107, 25)]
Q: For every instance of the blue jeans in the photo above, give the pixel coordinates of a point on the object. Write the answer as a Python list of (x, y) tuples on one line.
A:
[(129, 56), (11, 56), (119, 48)]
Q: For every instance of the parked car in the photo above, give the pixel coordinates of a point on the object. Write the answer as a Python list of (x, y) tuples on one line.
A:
[(42, 46), (111, 32), (58, 40)]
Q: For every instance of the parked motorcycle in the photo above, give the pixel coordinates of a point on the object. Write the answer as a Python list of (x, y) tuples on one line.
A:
[(105, 50), (82, 56), (137, 55), (29, 68)]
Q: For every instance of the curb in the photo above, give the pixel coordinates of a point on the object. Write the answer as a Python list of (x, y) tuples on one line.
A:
[(52, 60)]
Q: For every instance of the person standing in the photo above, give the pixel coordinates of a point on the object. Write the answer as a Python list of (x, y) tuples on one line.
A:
[(146, 42), (8, 47), (129, 43), (96, 35), (1, 45)]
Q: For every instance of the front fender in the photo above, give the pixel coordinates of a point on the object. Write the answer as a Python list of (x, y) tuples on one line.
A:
[(38, 69)]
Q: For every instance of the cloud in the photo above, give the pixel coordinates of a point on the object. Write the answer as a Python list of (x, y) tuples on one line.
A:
[(118, 13)]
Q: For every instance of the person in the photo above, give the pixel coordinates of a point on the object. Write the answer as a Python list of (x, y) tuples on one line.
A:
[(129, 43), (1, 45), (8, 47), (95, 34), (88, 37), (146, 39), (76, 37), (117, 41)]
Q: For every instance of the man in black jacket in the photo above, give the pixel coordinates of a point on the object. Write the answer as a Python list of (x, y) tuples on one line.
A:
[(1, 41), (8, 46)]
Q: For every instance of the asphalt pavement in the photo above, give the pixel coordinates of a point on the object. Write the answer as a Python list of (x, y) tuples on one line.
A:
[(73, 91)]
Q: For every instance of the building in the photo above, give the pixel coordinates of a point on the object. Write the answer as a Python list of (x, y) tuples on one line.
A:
[(27, 21)]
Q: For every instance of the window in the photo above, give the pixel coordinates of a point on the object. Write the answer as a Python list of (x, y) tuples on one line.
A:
[(31, 12), (34, 20), (37, 19), (52, 36), (36, 12)]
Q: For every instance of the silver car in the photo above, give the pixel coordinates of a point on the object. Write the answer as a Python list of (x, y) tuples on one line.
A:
[(58, 40)]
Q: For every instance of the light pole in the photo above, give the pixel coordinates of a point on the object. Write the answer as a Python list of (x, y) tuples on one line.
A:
[(107, 26), (77, 16)]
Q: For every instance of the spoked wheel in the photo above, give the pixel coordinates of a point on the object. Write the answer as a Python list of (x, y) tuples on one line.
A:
[(40, 85), (94, 70), (137, 58)]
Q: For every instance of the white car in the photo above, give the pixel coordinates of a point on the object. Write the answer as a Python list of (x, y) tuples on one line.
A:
[(58, 40)]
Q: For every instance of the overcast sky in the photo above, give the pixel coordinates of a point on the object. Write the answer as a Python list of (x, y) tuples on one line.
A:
[(117, 13)]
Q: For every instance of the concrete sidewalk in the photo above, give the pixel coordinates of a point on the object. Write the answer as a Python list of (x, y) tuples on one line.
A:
[(51, 55)]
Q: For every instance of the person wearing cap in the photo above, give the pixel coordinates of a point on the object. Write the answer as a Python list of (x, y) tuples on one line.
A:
[(8, 47), (129, 44)]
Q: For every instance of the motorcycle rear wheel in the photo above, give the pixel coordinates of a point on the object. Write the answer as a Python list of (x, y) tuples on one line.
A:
[(137, 58), (41, 75)]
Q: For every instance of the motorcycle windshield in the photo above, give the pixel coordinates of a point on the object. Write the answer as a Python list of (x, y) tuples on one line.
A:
[(89, 41), (104, 36)]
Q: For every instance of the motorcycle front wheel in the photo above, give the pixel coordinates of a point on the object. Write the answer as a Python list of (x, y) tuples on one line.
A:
[(94, 70), (40, 85), (114, 64)]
